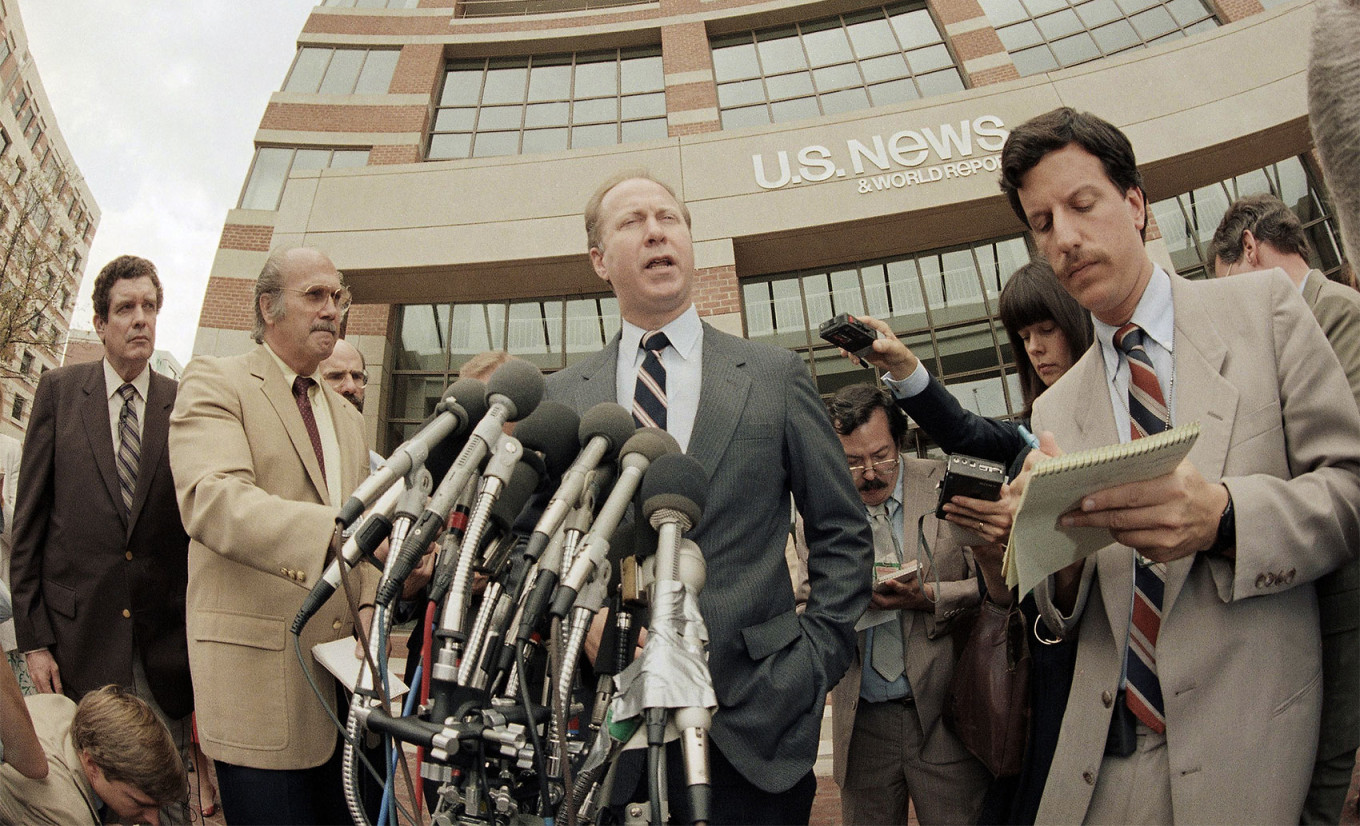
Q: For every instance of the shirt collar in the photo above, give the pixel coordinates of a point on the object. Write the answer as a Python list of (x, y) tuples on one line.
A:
[(288, 373), (1154, 314), (113, 381), (683, 332)]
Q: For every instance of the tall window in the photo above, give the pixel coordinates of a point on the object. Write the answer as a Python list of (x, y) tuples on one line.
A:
[(942, 303), (876, 57), (264, 186), (342, 71), (1188, 221), (548, 103), (1042, 35), (434, 340)]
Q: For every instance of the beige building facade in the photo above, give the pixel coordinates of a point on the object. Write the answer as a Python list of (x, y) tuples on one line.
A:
[(48, 219), (836, 157)]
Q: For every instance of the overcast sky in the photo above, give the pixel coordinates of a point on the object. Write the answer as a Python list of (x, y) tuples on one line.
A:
[(159, 101)]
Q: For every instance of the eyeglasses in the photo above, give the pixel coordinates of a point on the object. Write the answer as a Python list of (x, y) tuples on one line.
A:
[(880, 468), (316, 296), (358, 376)]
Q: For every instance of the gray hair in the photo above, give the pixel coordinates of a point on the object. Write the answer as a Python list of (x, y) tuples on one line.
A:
[(1334, 111), (270, 286)]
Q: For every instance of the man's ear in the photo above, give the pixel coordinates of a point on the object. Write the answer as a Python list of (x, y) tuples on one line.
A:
[(597, 261), (1251, 248), (88, 765), (1137, 200)]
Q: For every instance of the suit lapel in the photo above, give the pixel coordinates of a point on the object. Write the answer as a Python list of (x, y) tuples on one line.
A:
[(722, 397), (280, 397), (598, 376), (1202, 394), (155, 432), (99, 432)]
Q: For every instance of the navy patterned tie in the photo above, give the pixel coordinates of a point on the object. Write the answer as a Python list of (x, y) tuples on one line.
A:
[(129, 446), (1148, 415), (649, 397)]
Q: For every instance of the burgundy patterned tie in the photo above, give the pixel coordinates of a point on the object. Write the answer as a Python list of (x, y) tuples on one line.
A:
[(1148, 415), (301, 385)]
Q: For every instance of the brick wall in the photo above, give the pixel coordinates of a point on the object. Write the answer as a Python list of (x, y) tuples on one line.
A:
[(242, 237), (368, 320), (716, 290), (228, 304), (329, 117)]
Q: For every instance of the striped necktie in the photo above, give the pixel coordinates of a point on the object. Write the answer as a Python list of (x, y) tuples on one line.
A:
[(129, 446), (301, 386), (1148, 415), (649, 397)]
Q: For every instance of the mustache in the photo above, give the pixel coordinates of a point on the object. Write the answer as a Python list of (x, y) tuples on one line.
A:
[(870, 485), (326, 327)]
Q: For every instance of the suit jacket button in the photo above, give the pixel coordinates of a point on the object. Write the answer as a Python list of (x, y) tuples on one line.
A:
[(1107, 698), (1260, 580), (1089, 776), (284, 571), (127, 613), (128, 556), (336, 625), (1271, 578), (302, 576), (1289, 576)]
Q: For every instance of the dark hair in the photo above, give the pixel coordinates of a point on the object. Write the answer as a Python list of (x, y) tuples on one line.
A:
[(1267, 218), (852, 405), (124, 266), (1032, 140), (1033, 295), (129, 743)]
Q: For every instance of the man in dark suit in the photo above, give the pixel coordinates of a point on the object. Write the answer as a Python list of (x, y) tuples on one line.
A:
[(100, 566), (750, 414)]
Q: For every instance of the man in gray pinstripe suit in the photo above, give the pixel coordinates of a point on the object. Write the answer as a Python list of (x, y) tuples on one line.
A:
[(751, 416)]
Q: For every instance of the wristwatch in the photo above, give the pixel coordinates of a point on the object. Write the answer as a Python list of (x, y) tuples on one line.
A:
[(1226, 537)]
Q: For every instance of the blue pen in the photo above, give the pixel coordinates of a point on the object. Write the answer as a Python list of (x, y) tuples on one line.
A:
[(1029, 438)]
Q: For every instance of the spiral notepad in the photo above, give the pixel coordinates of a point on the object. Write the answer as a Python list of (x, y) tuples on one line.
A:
[(1038, 545)]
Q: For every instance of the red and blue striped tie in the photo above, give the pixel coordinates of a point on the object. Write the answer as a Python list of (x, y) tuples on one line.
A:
[(1148, 415)]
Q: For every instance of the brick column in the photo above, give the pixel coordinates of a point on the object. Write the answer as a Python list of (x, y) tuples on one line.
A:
[(691, 94), (975, 45), (1230, 11)]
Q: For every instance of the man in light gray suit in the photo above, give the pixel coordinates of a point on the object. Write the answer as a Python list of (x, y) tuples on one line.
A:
[(1198, 682), (751, 416)]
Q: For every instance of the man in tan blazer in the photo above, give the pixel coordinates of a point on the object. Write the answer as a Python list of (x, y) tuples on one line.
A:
[(1259, 232), (889, 745), (1265, 503), (263, 453)]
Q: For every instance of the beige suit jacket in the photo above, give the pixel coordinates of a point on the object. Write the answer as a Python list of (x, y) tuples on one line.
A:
[(1238, 650), (930, 647), (259, 519)]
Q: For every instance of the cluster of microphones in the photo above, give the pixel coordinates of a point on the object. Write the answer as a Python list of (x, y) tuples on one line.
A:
[(535, 533)]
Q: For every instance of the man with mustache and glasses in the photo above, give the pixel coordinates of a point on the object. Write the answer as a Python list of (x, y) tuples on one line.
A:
[(1198, 684), (264, 451), (889, 746), (99, 553)]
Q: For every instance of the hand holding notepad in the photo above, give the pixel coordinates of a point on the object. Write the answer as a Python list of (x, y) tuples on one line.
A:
[(1039, 546)]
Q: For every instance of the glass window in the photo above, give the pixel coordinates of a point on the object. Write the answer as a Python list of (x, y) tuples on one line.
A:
[(376, 76), (308, 69), (342, 71), (870, 58), (1188, 221), (566, 100), (956, 332), (273, 164), (1049, 34)]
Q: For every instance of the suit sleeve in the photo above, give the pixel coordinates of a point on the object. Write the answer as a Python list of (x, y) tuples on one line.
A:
[(222, 506), (1340, 321), (32, 511), (958, 430), (1301, 527), (840, 550)]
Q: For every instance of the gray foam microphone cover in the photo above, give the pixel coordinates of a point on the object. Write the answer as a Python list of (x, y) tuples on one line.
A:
[(676, 482), (551, 430), (611, 421), (471, 396), (651, 442), (521, 383)]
